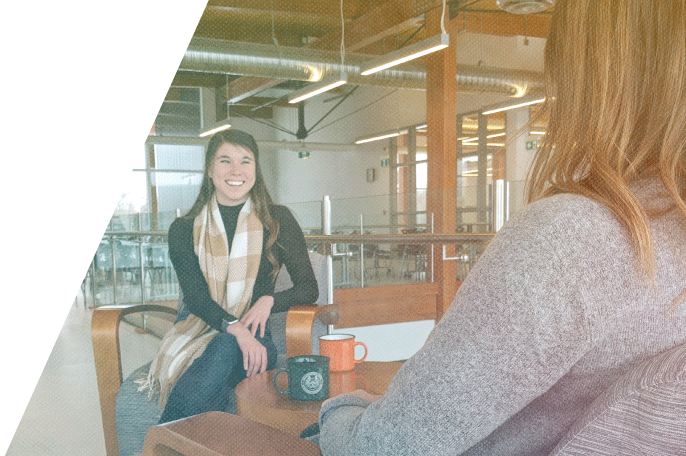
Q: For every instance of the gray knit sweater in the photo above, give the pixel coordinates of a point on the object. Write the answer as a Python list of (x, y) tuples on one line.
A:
[(551, 315)]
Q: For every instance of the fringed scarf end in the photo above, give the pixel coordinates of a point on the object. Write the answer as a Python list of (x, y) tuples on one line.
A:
[(148, 384)]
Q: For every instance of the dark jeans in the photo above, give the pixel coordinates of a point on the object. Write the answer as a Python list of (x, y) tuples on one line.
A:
[(208, 383)]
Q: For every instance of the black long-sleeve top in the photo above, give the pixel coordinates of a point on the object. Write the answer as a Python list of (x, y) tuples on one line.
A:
[(289, 249)]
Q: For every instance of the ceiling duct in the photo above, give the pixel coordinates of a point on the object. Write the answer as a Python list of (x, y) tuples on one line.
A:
[(247, 59)]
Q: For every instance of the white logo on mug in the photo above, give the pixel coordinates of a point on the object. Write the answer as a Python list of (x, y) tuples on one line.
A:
[(312, 382)]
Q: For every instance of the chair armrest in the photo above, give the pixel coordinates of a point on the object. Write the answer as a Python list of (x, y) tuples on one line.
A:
[(299, 322), (107, 354)]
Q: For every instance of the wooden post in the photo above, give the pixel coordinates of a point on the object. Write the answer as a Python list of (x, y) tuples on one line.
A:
[(441, 115)]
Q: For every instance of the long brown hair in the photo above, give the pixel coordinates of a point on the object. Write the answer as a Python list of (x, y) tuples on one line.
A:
[(616, 105), (259, 193)]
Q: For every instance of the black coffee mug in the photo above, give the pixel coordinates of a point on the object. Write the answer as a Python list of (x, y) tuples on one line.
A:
[(308, 378)]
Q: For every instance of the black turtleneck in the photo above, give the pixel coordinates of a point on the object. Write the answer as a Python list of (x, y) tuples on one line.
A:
[(290, 249)]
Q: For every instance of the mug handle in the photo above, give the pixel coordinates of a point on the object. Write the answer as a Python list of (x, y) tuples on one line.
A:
[(278, 371), (357, 361)]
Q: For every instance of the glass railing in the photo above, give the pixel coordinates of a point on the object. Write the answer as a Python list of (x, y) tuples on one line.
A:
[(370, 244), (134, 267), (131, 267)]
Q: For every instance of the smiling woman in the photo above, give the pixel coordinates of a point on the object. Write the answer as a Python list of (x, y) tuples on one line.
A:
[(233, 174), (226, 253)]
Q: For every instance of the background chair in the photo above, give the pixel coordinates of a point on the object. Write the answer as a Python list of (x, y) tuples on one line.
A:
[(413, 253), (127, 414)]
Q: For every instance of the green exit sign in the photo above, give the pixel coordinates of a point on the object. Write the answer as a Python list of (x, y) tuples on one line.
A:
[(303, 155), (531, 145)]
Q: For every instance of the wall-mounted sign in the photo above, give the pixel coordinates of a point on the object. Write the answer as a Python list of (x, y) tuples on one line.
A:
[(303, 155), (531, 145), (384, 162)]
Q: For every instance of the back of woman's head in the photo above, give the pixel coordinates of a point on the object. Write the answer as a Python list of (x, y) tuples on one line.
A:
[(616, 105)]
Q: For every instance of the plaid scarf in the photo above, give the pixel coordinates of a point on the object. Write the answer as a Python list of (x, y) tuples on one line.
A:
[(230, 277)]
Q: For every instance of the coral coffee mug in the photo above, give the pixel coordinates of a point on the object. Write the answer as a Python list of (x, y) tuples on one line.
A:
[(308, 378), (340, 348)]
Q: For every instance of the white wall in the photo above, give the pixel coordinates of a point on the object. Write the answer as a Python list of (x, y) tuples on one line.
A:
[(343, 174), (501, 52), (517, 158), (394, 342)]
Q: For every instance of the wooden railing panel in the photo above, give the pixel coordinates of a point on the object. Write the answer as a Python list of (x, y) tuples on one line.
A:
[(386, 305)]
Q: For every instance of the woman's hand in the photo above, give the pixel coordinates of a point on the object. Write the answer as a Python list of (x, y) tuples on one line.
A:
[(254, 353), (257, 315)]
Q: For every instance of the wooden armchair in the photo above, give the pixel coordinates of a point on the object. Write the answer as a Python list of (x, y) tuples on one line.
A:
[(108, 366), (299, 329)]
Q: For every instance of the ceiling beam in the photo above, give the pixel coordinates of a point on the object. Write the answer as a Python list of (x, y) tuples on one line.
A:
[(394, 30), (372, 26), (351, 8)]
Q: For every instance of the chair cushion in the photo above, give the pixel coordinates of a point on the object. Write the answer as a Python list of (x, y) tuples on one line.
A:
[(277, 322), (284, 282), (643, 413), (136, 414)]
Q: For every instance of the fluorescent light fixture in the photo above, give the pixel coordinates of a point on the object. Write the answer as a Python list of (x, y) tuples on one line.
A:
[(513, 106), (380, 136), (217, 129), (318, 87), (405, 54), (475, 173), (541, 133), (487, 144), (476, 138)]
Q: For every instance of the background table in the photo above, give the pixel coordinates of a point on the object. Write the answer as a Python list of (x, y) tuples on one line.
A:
[(258, 400)]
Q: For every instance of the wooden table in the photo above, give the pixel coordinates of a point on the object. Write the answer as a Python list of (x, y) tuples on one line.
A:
[(222, 434), (258, 400)]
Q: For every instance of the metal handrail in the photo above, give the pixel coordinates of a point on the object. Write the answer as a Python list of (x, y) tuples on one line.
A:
[(137, 233), (400, 238), (404, 238)]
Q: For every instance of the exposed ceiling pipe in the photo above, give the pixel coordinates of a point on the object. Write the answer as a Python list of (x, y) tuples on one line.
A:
[(247, 59)]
